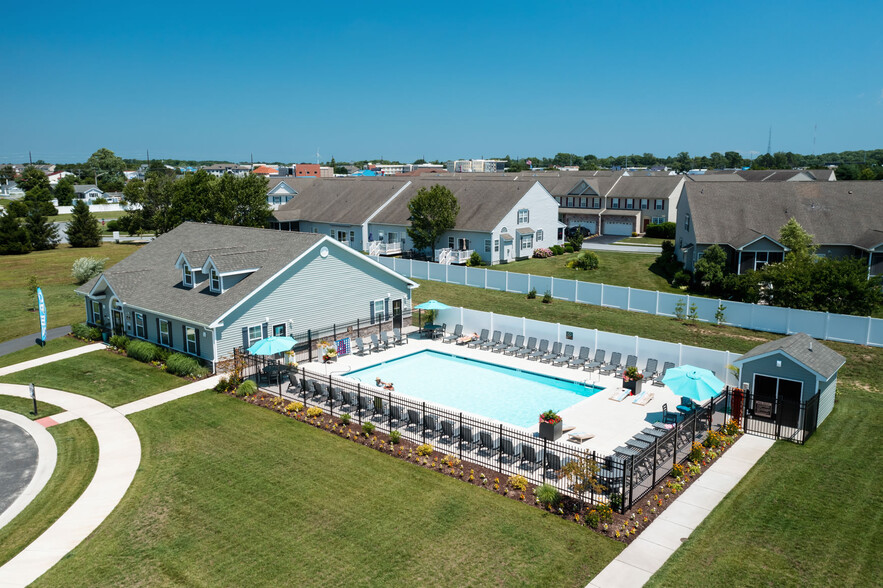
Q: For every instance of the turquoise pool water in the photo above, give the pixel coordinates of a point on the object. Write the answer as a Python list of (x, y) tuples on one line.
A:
[(506, 394)]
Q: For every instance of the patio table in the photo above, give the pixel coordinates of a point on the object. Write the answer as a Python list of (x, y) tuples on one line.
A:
[(274, 372), (433, 330), (685, 409)]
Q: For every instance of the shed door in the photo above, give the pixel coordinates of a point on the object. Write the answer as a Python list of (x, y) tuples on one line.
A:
[(778, 397)]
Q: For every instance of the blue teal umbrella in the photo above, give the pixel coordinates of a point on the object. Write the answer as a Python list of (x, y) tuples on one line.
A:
[(432, 305), (272, 346), (696, 383)]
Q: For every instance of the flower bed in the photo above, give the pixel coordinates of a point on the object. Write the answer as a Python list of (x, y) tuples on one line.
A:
[(600, 518)]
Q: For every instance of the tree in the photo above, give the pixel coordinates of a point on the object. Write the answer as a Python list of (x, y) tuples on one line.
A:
[(241, 201), (13, 237), (582, 473), (795, 238), (734, 159), (683, 163), (33, 178), (7, 174), (42, 233), (433, 212), (711, 266), (842, 286), (83, 230), (64, 191), (717, 161), (108, 166)]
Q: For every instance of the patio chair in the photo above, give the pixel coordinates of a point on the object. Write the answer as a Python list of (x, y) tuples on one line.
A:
[(631, 361), (482, 339), (293, 382), (565, 357), (657, 381), (336, 396), (384, 338), (510, 448), (458, 332), (668, 417), (650, 368), (323, 393), (505, 344), (488, 440), (398, 338), (350, 399), (541, 351), (469, 436), (309, 386), (532, 455), (399, 415), (493, 341), (580, 361), (555, 462), (414, 418), (375, 342), (381, 407), (556, 351), (527, 349), (450, 429), (612, 365), (598, 362), (360, 347), (365, 404), (431, 424), (515, 347)]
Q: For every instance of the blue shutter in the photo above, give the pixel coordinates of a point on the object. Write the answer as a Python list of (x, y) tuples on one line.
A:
[(386, 308), (184, 337), (198, 336), (372, 311), (158, 338), (244, 338), (265, 329), (171, 339)]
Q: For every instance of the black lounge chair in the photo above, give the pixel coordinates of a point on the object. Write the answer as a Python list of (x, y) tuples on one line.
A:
[(515, 347), (450, 429), (482, 339), (555, 462), (336, 396), (293, 383), (541, 351), (614, 364), (350, 399), (510, 448), (366, 404), (469, 436), (565, 357), (458, 332), (414, 418), (431, 424), (581, 359), (532, 455), (556, 351), (493, 342), (527, 349), (398, 415), (505, 344), (381, 407), (488, 440)]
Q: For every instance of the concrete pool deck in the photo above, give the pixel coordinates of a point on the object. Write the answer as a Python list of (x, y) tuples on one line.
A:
[(612, 423)]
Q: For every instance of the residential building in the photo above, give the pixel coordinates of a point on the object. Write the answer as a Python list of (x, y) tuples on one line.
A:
[(265, 170), (771, 175), (204, 290), (88, 192), (745, 219), (283, 189), (54, 177), (219, 169)]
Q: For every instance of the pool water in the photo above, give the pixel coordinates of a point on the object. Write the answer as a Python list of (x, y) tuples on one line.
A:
[(506, 394)]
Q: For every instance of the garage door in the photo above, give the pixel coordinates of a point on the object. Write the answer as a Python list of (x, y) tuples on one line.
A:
[(617, 227), (590, 225)]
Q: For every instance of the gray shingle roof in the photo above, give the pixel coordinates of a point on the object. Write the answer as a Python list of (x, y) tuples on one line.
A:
[(148, 278), (645, 186), (804, 349), (836, 213), (339, 200)]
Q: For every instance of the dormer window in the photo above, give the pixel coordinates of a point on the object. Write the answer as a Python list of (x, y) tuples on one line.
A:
[(187, 275), (215, 278)]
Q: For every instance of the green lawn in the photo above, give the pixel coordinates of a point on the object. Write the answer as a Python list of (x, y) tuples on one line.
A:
[(25, 406), (650, 241), (35, 351), (53, 271), (229, 494), (103, 375), (635, 270), (77, 460)]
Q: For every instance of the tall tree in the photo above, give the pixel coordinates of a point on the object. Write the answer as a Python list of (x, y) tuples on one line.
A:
[(734, 159), (711, 266), (83, 230), (433, 212), (33, 179), (64, 191), (794, 237), (42, 233), (105, 165), (241, 201), (683, 162), (13, 237)]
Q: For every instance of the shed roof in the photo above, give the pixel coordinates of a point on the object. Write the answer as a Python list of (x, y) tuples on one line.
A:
[(819, 358)]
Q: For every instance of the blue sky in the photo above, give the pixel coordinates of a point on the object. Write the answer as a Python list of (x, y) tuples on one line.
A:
[(225, 80)]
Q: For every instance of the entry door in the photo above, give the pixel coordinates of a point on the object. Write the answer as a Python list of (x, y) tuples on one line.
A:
[(764, 396), (397, 314), (117, 317), (646, 223), (790, 392)]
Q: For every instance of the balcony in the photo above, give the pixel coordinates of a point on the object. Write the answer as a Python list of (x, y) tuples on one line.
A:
[(452, 256), (381, 248)]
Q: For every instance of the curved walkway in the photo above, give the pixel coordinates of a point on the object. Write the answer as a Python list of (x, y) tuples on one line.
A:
[(119, 454), (11, 369), (44, 456)]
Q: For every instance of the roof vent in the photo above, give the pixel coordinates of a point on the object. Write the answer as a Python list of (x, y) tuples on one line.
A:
[(849, 192), (810, 345)]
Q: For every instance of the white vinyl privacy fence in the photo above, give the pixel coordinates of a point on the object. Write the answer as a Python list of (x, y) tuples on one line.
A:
[(821, 325), (474, 321)]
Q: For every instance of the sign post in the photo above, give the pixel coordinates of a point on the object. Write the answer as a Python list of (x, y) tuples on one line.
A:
[(33, 396), (41, 304)]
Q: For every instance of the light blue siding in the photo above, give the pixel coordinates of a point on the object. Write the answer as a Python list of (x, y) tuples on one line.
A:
[(790, 370), (826, 400)]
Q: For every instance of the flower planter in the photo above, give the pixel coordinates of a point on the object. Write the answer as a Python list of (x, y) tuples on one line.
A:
[(551, 431), (633, 385)]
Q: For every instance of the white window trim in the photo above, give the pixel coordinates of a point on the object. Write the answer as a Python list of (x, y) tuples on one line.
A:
[(379, 314), (97, 319), (526, 239), (215, 275), (260, 329), (539, 235), (187, 276), (525, 213), (168, 338), (139, 316), (187, 330), (496, 245)]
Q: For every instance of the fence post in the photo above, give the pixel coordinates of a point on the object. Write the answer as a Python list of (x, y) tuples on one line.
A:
[(628, 298), (545, 453), (506, 284), (358, 330), (460, 442), (423, 424), (500, 449), (655, 454), (330, 396), (695, 418), (359, 400), (631, 480), (656, 312), (622, 508), (677, 437), (310, 344), (827, 322), (304, 385), (727, 405)]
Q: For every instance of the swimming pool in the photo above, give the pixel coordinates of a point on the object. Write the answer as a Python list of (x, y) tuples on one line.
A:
[(506, 394)]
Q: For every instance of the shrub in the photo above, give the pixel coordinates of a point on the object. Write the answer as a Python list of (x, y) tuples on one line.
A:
[(731, 428), (223, 385), (85, 268), (661, 231), (532, 294), (605, 513), (368, 428), (142, 351), (246, 388), (557, 249), (395, 437), (586, 260), (114, 225), (345, 418), (424, 450), (593, 518), (681, 278), (294, 407), (696, 453), (313, 412), (474, 259), (542, 253), (575, 241), (119, 342), (615, 501), (517, 483), (713, 440), (548, 495), (547, 297), (568, 248), (452, 461), (184, 365), (85, 332)]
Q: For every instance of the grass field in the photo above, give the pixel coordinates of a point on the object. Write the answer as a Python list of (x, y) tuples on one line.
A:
[(77, 460), (103, 375), (650, 241), (617, 269), (35, 351), (229, 494), (25, 406), (53, 271)]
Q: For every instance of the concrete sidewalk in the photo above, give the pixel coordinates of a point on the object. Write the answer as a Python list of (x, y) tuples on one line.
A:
[(11, 369), (646, 554), (119, 454), (168, 396)]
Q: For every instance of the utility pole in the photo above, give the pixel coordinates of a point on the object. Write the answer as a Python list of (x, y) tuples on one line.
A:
[(30, 161), (769, 143)]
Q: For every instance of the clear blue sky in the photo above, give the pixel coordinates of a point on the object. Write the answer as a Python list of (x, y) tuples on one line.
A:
[(363, 80)]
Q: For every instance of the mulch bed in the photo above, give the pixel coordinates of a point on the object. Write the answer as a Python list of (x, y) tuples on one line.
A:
[(620, 527)]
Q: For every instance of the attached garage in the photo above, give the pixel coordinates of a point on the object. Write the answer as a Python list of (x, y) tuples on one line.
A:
[(591, 225), (618, 226)]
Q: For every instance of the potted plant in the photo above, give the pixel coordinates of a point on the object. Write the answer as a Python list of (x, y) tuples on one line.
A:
[(631, 380), (329, 351), (550, 425)]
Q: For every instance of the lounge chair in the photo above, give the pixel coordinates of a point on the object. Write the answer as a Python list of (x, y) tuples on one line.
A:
[(381, 407), (657, 381), (350, 399), (398, 338), (398, 415), (336, 396), (598, 362), (488, 440), (375, 342), (631, 361), (527, 349), (414, 418), (493, 341), (505, 344), (579, 436), (565, 357), (541, 351), (450, 429), (650, 368), (515, 347), (612, 365), (668, 417), (581, 360), (620, 394), (384, 338), (644, 397), (555, 462), (320, 391), (532, 455), (469, 436), (556, 351), (510, 448), (482, 339), (458, 332), (360, 347), (366, 404), (293, 383), (431, 423), (637, 444)]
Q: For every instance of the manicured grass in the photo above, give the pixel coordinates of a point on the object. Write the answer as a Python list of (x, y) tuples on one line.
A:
[(103, 375), (35, 351), (635, 270), (53, 271), (652, 241), (231, 494), (804, 516), (25, 406), (77, 460)]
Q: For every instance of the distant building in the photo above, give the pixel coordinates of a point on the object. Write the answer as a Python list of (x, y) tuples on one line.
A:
[(88, 192), (477, 165), (265, 170), (219, 169), (55, 176), (326, 172)]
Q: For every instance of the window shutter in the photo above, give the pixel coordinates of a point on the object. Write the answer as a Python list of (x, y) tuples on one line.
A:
[(265, 329), (184, 337), (198, 337), (372, 311), (386, 307), (158, 338), (146, 330), (244, 338)]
